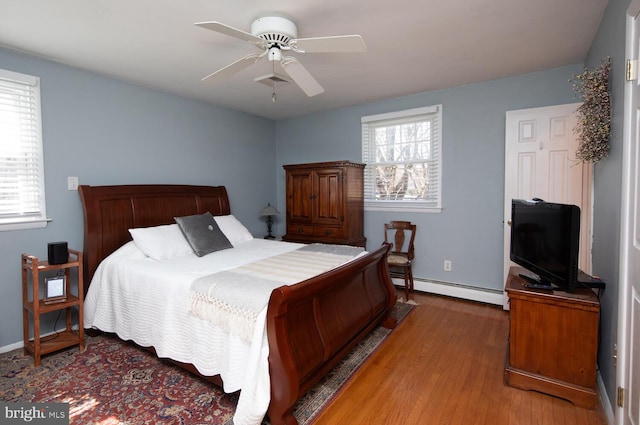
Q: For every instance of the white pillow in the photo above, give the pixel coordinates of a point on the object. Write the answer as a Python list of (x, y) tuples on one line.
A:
[(233, 229), (161, 242)]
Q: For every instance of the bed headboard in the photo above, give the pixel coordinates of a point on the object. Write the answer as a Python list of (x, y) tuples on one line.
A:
[(110, 211)]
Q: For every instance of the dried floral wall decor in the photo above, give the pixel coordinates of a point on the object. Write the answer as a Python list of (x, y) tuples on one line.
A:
[(594, 115)]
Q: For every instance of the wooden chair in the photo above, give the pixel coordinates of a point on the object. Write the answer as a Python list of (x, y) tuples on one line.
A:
[(401, 255)]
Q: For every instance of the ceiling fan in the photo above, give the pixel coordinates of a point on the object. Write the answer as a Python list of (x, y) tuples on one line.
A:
[(276, 35)]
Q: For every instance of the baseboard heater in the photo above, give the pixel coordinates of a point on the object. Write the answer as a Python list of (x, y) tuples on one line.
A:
[(456, 290)]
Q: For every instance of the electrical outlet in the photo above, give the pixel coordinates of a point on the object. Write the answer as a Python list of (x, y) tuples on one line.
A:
[(72, 183), (447, 265)]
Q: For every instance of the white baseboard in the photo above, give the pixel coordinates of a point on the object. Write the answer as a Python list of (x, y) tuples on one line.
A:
[(11, 347), (604, 399), (455, 290), (20, 344)]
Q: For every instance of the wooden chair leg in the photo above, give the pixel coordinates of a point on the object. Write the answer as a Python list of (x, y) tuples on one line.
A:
[(406, 284), (410, 279)]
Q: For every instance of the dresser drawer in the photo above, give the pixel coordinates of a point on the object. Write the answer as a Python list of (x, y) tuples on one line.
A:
[(328, 232), (299, 229)]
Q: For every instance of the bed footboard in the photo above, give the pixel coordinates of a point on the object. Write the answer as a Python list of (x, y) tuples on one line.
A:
[(314, 324)]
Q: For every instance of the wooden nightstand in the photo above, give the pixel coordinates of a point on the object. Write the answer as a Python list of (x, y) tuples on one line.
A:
[(34, 304)]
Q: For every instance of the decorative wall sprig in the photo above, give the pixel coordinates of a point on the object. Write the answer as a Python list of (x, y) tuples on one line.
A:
[(594, 115)]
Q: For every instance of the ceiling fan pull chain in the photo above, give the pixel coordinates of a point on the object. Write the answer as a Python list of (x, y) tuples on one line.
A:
[(273, 68)]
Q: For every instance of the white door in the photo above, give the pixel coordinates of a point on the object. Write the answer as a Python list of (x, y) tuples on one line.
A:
[(628, 372), (540, 162)]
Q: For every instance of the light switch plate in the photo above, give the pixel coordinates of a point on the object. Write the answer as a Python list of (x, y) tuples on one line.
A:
[(72, 183)]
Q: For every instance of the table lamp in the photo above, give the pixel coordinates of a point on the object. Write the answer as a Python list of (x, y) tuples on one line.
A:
[(269, 211)]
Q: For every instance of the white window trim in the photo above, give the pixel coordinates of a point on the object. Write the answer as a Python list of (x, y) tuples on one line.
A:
[(391, 206), (24, 224), (408, 206), (40, 221), (402, 114)]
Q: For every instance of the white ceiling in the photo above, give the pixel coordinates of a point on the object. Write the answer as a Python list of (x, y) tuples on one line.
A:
[(413, 46)]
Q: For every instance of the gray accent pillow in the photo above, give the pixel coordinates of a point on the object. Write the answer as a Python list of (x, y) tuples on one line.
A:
[(203, 234)]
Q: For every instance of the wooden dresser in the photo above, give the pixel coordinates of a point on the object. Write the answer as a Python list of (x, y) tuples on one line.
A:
[(553, 341), (325, 203)]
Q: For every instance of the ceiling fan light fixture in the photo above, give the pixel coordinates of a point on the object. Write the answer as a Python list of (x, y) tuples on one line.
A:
[(275, 55)]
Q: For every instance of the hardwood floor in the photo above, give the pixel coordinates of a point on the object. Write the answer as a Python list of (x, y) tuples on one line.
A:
[(444, 365)]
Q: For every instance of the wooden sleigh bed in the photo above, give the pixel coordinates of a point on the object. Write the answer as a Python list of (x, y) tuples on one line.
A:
[(310, 326)]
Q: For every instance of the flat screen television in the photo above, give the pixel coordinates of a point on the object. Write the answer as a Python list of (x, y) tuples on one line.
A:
[(545, 239)]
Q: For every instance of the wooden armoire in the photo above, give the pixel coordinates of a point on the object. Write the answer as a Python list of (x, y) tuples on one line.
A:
[(325, 203)]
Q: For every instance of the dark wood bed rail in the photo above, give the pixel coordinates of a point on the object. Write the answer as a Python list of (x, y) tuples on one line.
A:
[(314, 324)]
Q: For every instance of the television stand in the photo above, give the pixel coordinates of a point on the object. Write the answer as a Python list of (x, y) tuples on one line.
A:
[(553, 341)]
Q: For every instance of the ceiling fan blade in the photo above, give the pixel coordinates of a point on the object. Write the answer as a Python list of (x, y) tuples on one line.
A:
[(234, 67), (336, 44), (231, 31), (301, 76)]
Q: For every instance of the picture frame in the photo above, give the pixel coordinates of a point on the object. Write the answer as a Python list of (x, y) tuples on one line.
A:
[(55, 289)]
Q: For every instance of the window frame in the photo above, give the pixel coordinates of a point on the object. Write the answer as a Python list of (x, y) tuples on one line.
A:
[(39, 218), (368, 151)]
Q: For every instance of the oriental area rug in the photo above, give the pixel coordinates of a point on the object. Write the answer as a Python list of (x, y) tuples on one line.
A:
[(116, 382)]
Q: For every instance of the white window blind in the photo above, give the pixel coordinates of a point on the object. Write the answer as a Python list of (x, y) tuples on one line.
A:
[(402, 151), (22, 200)]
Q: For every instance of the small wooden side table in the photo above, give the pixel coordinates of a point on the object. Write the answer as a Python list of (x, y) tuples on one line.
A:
[(34, 305)]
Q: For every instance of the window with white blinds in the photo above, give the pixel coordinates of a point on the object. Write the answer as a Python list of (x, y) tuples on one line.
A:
[(403, 154), (22, 200)]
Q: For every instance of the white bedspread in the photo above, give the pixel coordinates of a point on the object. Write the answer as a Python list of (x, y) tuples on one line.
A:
[(147, 301)]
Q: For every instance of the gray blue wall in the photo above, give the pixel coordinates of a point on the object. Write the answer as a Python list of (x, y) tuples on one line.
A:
[(469, 231), (610, 41), (109, 132)]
